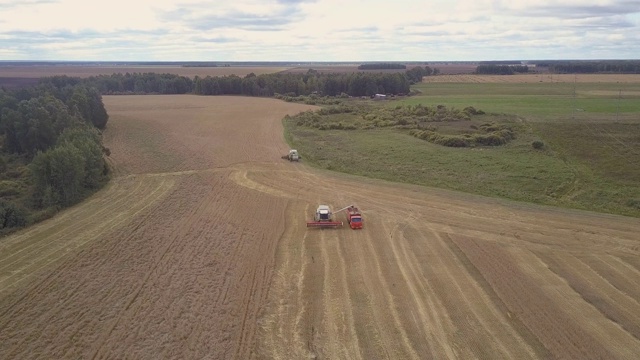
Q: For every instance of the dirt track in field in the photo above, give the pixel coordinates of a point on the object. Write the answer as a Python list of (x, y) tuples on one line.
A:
[(198, 249)]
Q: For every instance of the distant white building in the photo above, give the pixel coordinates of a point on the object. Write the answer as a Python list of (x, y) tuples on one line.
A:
[(379, 97)]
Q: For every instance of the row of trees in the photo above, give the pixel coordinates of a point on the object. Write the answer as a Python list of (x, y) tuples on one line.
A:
[(129, 83), (382, 66), (501, 69), (591, 67), (354, 84), (416, 74), (50, 148)]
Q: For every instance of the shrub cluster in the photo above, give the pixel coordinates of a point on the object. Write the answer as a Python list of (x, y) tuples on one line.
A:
[(494, 135), (364, 117), (312, 99), (440, 139)]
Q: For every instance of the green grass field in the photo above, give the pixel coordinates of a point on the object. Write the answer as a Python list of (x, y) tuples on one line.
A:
[(591, 158)]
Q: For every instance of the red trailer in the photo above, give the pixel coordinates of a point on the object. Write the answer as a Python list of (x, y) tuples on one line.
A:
[(354, 218)]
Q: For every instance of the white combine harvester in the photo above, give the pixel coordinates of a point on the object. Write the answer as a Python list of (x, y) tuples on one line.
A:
[(292, 155)]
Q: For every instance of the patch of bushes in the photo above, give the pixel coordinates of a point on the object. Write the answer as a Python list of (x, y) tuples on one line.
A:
[(499, 136), (11, 215), (470, 110), (537, 144), (633, 203), (368, 117), (492, 139), (9, 188), (312, 99), (440, 139)]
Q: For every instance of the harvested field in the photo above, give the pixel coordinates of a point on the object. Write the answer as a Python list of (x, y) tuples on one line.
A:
[(534, 78), (198, 249)]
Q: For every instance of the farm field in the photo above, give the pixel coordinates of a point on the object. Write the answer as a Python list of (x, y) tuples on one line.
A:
[(533, 78), (198, 249), (590, 130)]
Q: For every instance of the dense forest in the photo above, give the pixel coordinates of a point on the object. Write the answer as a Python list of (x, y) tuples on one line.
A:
[(501, 69), (311, 82), (51, 152), (382, 66), (591, 67), (561, 67), (614, 67)]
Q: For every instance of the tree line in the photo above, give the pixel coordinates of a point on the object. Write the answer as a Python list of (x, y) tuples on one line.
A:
[(382, 66), (267, 85), (501, 69), (354, 84), (593, 67), (51, 152)]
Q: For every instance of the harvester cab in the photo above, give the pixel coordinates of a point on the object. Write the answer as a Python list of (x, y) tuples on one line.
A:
[(323, 213)]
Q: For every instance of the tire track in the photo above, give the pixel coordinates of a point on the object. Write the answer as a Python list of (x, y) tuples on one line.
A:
[(432, 314), (343, 340), (70, 239), (382, 278), (525, 299), (606, 299), (471, 310)]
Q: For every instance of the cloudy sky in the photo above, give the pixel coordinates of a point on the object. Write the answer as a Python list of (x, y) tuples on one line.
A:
[(318, 30)]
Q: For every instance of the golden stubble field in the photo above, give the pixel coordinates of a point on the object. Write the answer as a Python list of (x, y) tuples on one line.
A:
[(198, 249)]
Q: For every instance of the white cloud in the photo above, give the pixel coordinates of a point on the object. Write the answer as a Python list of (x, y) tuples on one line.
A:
[(323, 30)]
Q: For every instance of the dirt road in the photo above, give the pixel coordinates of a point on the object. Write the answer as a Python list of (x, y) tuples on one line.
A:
[(198, 249)]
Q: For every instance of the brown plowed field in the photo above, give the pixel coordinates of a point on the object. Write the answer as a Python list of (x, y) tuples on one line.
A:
[(198, 249)]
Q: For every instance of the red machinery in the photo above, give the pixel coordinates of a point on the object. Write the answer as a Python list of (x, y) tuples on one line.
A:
[(354, 218), (324, 217)]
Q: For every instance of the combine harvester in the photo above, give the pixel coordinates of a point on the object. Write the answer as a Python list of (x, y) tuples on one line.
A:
[(324, 217), (292, 155)]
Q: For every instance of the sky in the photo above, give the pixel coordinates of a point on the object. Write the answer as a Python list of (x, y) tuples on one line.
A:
[(318, 30)]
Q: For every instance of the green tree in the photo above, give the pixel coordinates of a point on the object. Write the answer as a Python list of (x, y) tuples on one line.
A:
[(11, 215), (60, 172), (87, 140)]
